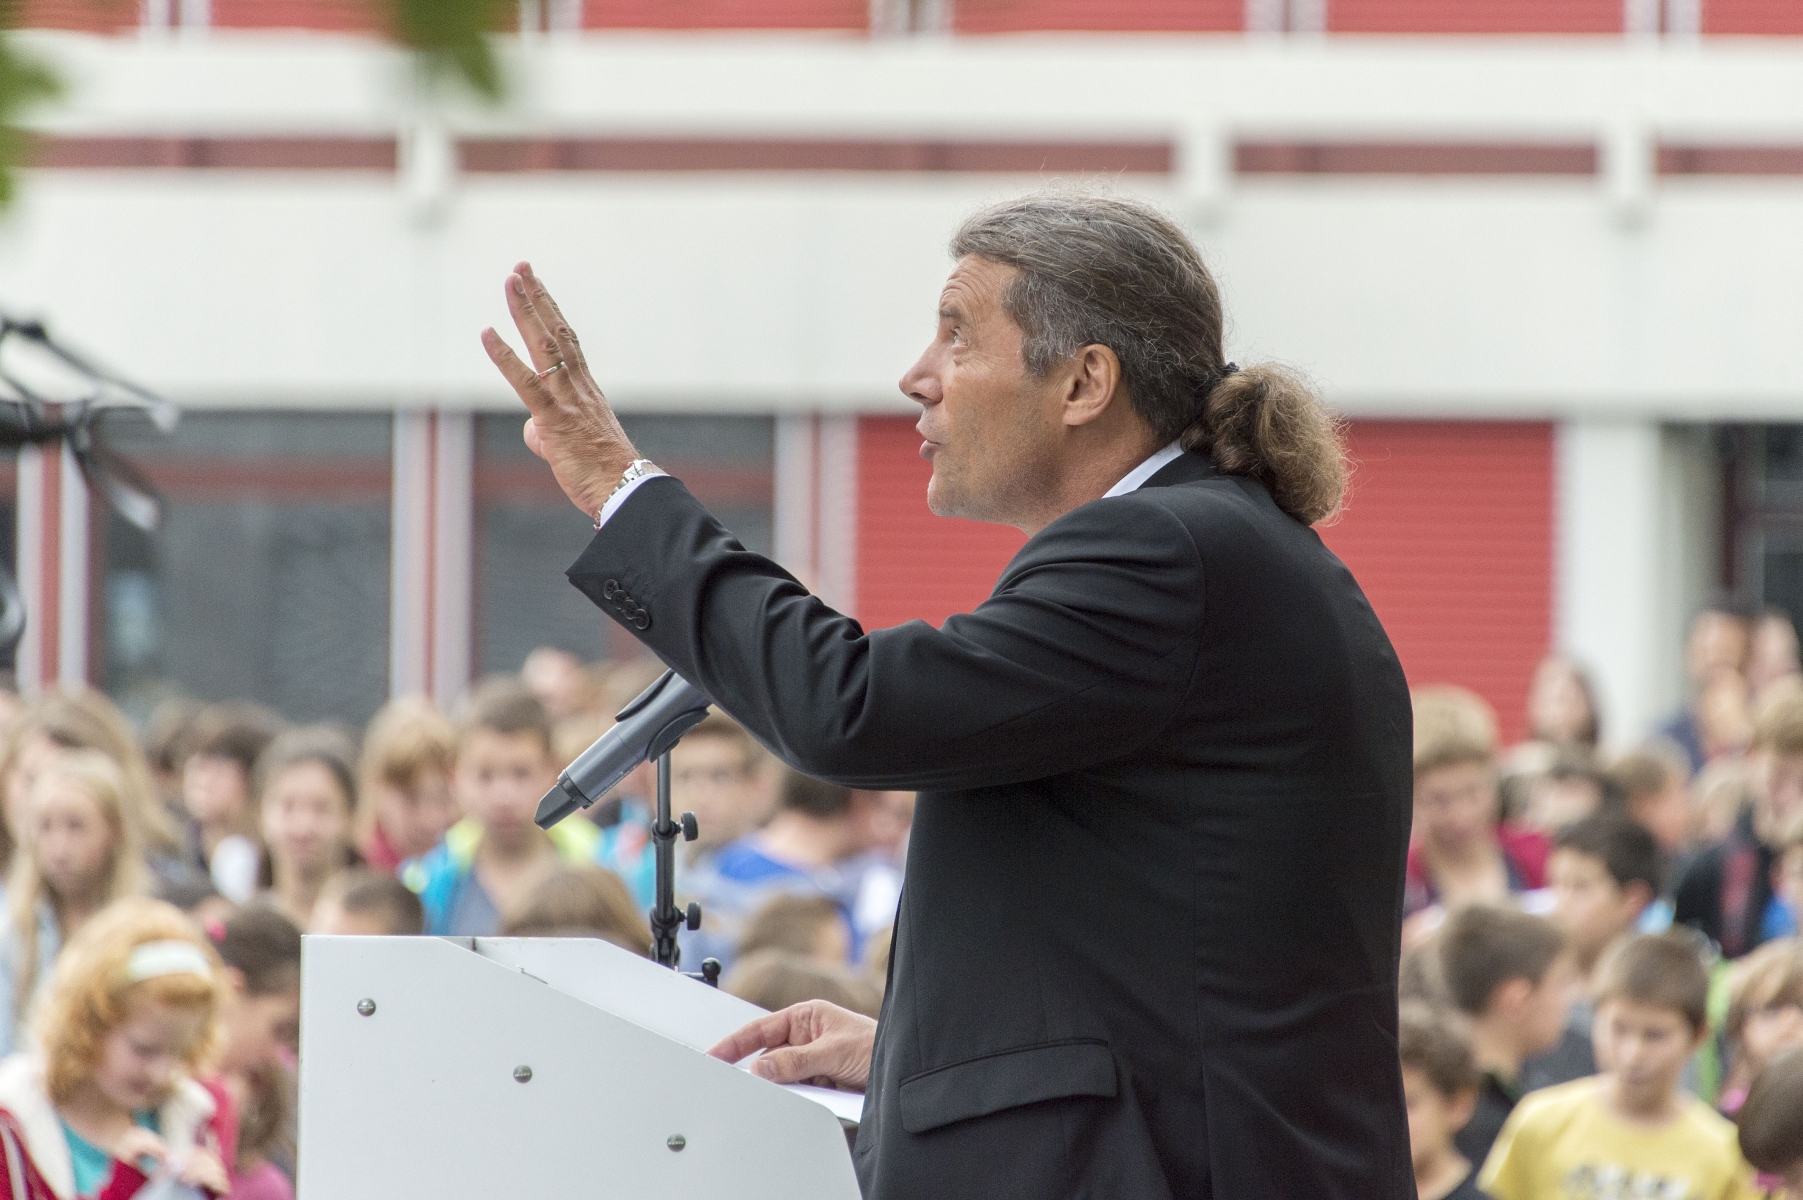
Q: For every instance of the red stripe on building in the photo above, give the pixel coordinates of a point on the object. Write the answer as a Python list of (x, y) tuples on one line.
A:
[(83, 16), (1752, 16), (1731, 160), (1011, 16), (486, 155), (342, 16), (726, 14), (1450, 532), (219, 153), (1470, 16), (911, 564), (1414, 158), (805, 155)]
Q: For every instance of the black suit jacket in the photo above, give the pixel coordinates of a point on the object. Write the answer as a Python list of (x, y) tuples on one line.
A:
[(1148, 941)]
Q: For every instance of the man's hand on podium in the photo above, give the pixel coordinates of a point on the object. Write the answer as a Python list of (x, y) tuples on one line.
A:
[(812, 1042)]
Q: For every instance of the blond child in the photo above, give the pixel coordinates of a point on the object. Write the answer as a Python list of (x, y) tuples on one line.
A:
[(109, 1102), (406, 804), (78, 853), (1631, 1131), (1765, 1015)]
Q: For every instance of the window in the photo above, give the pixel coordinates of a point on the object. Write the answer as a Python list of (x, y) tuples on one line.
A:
[(527, 534), (268, 577)]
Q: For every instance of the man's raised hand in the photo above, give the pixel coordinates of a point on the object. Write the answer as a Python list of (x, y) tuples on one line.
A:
[(572, 427), (812, 1042)]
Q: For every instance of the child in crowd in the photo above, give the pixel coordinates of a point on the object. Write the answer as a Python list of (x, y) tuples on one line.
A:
[(1460, 852), (812, 846), (307, 796), (1654, 783), (776, 979), (1726, 891), (1439, 1082), (1569, 790), (79, 854), (265, 1134), (1765, 1015), (408, 754), (713, 774), (1506, 971), (260, 1018), (1787, 876), (83, 719), (1604, 872), (110, 1101), (1631, 1131), (1771, 1126), (222, 753), (579, 900), (364, 902), (812, 927), (505, 765)]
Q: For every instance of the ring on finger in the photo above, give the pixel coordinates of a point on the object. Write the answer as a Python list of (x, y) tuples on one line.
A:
[(548, 371)]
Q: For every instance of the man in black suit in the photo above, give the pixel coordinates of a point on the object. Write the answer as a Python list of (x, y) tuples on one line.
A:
[(1148, 943)]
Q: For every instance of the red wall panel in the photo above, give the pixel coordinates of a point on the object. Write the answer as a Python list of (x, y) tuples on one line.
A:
[(86, 16), (356, 16), (912, 564), (1471, 16), (1007, 16), (726, 14), (1450, 532), (1752, 16)]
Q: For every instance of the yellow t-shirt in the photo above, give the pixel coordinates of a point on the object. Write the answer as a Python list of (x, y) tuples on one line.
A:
[(1564, 1143)]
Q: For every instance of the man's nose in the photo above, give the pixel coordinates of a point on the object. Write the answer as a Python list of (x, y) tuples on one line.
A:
[(920, 382)]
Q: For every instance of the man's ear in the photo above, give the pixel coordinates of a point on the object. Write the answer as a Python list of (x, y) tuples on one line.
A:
[(1095, 384)]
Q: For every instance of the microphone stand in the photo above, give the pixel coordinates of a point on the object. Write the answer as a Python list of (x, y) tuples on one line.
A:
[(644, 730), (666, 918)]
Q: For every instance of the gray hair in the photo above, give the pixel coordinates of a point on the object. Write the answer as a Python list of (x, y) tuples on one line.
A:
[(1096, 269)]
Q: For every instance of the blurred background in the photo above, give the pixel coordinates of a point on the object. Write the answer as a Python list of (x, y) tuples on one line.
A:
[(1545, 255)]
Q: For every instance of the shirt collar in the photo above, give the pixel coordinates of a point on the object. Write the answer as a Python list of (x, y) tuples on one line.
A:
[(1133, 480)]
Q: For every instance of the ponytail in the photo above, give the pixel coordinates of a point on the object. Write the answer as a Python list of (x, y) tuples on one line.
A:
[(1267, 424)]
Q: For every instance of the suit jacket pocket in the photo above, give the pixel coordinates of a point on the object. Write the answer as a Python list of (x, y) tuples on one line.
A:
[(977, 1087)]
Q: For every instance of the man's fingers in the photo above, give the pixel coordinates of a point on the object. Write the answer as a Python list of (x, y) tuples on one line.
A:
[(524, 380), (534, 329), (765, 1033), (563, 336), (791, 1064)]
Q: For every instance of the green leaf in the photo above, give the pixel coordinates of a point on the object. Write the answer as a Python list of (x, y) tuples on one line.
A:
[(451, 39)]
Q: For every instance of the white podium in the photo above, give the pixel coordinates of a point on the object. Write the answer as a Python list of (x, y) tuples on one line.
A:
[(483, 1068)]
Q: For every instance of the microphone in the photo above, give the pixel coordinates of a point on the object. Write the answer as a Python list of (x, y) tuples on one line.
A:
[(645, 729)]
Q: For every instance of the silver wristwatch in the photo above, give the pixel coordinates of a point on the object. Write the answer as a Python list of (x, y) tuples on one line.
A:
[(637, 469)]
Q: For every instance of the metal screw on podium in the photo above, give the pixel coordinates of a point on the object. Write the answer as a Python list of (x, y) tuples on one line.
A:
[(523, 1074), (367, 1007), (676, 1142)]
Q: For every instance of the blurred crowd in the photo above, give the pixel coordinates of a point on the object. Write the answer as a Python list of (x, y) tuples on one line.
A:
[(1602, 980), (1602, 986), (157, 883)]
